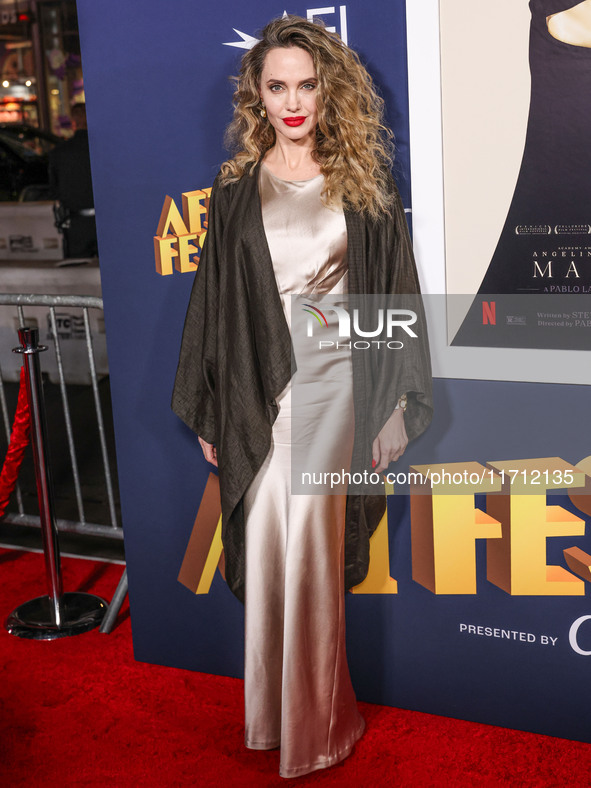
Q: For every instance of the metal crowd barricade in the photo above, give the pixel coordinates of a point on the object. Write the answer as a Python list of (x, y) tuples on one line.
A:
[(53, 302)]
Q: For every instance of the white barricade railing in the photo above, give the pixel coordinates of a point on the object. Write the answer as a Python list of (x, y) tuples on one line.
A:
[(73, 359)]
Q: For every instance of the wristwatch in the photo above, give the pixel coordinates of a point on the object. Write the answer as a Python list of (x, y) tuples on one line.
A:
[(402, 403)]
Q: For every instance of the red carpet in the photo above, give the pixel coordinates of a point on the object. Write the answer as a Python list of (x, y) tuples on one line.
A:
[(82, 712)]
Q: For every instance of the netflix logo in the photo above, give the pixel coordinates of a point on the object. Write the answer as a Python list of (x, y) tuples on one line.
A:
[(489, 313)]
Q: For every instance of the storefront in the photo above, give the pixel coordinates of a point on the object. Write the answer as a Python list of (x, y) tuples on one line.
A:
[(40, 65)]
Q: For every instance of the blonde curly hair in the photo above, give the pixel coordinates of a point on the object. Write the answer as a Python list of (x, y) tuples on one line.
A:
[(353, 145)]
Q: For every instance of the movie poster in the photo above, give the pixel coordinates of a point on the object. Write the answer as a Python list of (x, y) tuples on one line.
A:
[(517, 173)]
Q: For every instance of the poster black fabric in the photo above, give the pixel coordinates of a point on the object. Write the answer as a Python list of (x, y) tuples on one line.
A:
[(545, 245)]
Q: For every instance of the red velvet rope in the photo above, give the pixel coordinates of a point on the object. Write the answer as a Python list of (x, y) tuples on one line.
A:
[(19, 439)]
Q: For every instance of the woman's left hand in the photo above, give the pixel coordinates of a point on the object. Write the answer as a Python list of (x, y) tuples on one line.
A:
[(391, 442)]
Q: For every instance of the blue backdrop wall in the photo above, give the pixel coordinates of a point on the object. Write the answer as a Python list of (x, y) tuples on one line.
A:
[(158, 96)]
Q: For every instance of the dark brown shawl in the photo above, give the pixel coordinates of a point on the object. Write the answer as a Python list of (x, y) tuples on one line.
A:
[(236, 358)]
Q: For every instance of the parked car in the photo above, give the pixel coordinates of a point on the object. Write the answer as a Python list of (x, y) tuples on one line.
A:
[(31, 137)]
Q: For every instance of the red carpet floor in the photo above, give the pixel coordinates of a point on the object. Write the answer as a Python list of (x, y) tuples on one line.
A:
[(81, 711)]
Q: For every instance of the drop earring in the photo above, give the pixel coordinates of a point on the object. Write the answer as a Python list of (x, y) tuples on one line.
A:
[(263, 112)]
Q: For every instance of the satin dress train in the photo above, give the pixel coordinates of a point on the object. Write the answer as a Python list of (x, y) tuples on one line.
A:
[(298, 692)]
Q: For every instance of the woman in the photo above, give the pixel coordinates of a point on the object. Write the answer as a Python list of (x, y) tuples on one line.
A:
[(306, 206)]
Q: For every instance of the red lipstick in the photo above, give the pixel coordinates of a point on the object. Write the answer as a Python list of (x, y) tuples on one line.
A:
[(297, 121)]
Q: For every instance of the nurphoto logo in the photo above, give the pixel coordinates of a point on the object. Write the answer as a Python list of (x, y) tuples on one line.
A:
[(386, 322)]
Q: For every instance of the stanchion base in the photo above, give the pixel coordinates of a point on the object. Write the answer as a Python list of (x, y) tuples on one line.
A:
[(34, 619)]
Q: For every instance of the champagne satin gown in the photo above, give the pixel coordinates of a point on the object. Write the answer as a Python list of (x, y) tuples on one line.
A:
[(298, 692)]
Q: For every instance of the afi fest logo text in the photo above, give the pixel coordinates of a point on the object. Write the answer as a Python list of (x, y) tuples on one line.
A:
[(387, 321)]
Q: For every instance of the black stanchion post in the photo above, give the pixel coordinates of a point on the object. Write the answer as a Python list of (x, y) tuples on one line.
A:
[(30, 350), (57, 614)]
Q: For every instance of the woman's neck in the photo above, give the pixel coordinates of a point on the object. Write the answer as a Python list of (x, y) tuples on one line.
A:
[(291, 162)]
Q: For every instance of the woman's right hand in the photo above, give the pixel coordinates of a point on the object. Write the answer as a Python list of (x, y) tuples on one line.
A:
[(209, 452)]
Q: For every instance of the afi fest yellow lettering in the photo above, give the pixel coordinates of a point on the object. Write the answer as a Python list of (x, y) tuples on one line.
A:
[(179, 238), (445, 524)]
